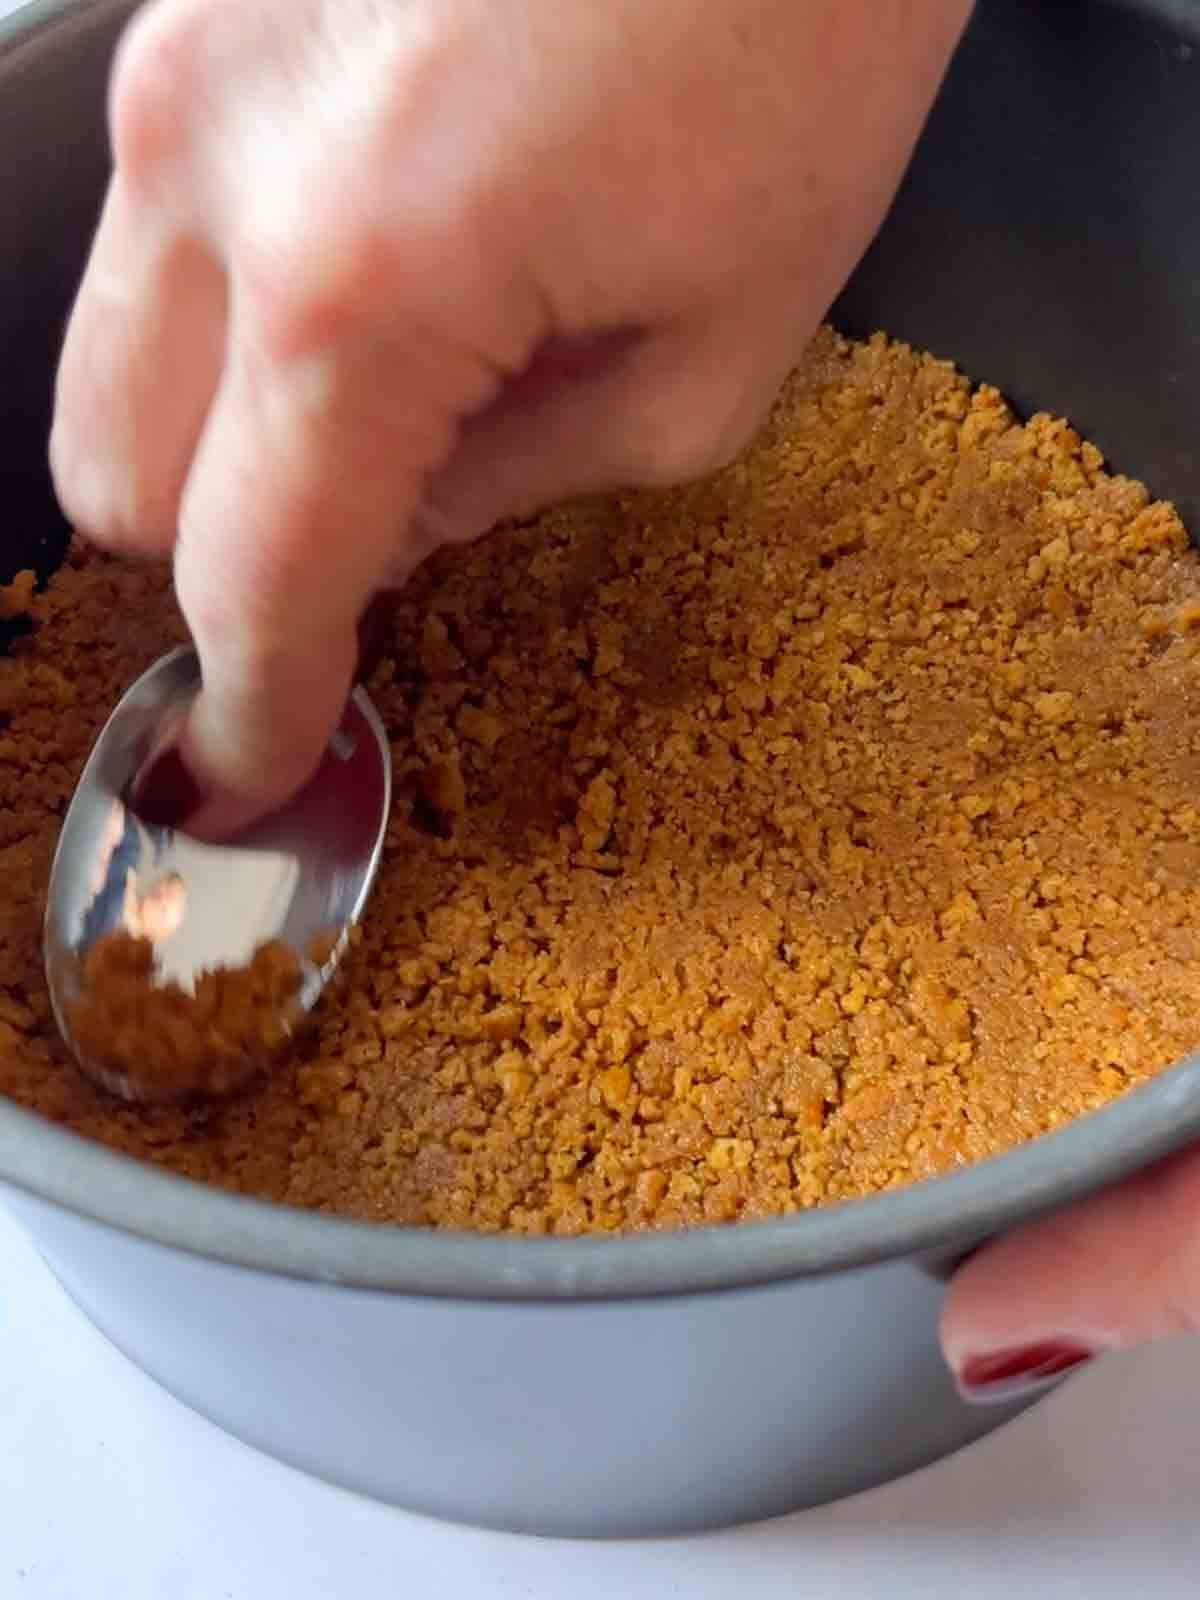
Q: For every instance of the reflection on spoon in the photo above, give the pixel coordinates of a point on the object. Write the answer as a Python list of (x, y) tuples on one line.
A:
[(106, 849), (158, 913), (173, 912)]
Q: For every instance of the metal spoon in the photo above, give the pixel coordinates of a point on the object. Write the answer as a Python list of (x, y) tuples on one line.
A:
[(301, 875)]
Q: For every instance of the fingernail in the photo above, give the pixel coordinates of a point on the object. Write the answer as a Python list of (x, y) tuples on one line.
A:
[(166, 795), (1019, 1373)]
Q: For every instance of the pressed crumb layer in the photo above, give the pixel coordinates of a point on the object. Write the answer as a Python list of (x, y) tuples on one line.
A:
[(796, 835)]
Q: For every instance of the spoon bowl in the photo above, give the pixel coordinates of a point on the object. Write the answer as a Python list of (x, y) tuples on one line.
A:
[(299, 877)]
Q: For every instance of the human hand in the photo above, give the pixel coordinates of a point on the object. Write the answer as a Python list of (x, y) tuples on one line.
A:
[(1119, 1270), (373, 274)]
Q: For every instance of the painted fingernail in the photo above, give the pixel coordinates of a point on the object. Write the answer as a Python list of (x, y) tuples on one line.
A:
[(166, 795), (1019, 1373)]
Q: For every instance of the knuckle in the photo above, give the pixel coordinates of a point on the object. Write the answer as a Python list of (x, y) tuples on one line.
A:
[(149, 85), (304, 301), (335, 247)]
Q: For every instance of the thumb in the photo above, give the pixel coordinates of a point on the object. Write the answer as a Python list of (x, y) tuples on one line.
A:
[(289, 522), (619, 410), (1118, 1270)]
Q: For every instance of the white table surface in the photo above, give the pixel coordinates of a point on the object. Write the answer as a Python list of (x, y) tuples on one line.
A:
[(111, 1490)]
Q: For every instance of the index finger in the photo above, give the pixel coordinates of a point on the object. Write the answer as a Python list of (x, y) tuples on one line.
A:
[(298, 504)]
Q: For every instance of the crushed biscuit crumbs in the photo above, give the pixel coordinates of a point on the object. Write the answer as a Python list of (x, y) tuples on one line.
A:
[(792, 836), (153, 1041)]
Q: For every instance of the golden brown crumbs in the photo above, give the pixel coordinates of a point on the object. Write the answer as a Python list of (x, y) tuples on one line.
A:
[(153, 1041), (795, 835)]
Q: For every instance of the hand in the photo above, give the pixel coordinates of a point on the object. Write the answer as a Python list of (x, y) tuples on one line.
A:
[(373, 274), (1112, 1272)]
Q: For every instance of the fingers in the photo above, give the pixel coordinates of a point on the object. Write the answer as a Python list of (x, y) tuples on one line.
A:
[(303, 479), (306, 470), (139, 367), (1118, 1270), (620, 410)]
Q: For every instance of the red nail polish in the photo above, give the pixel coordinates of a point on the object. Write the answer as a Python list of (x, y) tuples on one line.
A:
[(1014, 1374), (166, 795)]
